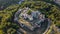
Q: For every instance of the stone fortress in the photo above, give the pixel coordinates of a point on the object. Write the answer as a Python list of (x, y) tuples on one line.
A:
[(30, 19)]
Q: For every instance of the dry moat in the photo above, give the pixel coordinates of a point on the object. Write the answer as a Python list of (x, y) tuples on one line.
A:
[(31, 21)]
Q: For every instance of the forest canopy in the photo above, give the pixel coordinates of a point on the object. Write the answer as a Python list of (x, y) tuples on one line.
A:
[(7, 24)]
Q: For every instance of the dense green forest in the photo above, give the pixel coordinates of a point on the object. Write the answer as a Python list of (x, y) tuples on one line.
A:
[(7, 24)]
